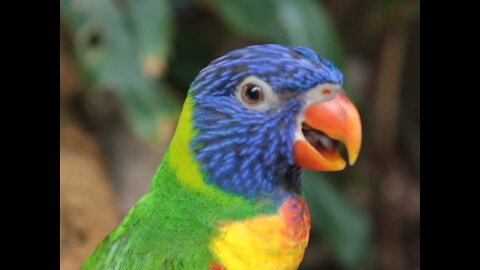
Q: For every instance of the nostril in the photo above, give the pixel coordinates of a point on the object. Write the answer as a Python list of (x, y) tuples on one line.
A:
[(326, 92)]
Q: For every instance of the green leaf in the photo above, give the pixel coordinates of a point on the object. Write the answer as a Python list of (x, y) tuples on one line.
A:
[(102, 42), (151, 108), (106, 51), (346, 231), (302, 22), (253, 18), (307, 23), (152, 25)]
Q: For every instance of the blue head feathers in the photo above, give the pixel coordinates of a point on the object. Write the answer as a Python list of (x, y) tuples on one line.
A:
[(247, 151)]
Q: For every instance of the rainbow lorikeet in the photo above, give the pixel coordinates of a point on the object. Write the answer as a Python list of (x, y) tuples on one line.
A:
[(227, 193)]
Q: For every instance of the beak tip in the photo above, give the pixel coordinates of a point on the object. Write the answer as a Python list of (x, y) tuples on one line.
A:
[(351, 161), (353, 156)]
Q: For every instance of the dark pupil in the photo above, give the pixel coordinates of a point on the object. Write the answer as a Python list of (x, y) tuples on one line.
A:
[(253, 92)]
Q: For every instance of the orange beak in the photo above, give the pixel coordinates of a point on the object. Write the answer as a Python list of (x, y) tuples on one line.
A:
[(325, 125)]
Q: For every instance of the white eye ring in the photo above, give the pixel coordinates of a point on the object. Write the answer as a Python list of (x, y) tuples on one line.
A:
[(255, 94)]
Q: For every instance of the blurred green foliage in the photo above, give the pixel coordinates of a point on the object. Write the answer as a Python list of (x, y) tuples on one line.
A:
[(346, 230), (115, 47), (147, 52), (301, 22)]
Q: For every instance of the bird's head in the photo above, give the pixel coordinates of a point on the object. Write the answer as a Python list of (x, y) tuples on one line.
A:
[(263, 112)]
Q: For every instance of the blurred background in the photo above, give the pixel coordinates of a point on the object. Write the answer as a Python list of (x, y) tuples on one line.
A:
[(125, 68)]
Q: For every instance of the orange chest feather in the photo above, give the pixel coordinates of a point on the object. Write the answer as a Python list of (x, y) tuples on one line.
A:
[(296, 221), (266, 242)]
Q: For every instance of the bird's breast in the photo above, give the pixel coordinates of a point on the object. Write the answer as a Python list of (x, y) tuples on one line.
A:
[(266, 242)]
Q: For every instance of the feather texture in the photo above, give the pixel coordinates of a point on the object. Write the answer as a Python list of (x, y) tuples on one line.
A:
[(227, 194)]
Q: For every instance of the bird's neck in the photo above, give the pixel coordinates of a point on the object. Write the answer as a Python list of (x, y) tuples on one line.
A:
[(179, 181), (179, 156)]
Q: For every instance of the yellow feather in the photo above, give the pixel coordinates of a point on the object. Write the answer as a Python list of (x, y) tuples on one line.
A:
[(181, 157), (266, 242)]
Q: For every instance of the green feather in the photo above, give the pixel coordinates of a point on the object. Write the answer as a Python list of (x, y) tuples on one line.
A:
[(171, 227)]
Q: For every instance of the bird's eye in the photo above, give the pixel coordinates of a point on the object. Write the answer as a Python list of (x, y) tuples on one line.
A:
[(257, 95), (252, 93)]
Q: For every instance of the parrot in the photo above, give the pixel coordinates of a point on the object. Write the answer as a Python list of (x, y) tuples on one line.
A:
[(227, 194)]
